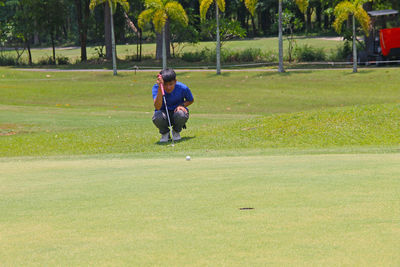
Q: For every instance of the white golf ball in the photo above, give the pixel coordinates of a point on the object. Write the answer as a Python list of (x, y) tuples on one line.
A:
[(187, 157)]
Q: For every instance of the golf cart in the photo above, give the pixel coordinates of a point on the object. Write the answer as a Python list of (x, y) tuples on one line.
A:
[(383, 42)]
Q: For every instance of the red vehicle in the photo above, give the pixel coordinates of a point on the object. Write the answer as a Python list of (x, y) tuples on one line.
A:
[(390, 42), (383, 42)]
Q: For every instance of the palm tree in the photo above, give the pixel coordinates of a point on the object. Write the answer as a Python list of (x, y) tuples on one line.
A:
[(355, 9), (159, 11), (250, 5), (219, 5), (280, 37), (302, 5), (113, 6)]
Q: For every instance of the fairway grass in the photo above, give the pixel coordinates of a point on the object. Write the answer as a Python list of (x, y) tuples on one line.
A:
[(75, 113), (308, 210), (314, 154)]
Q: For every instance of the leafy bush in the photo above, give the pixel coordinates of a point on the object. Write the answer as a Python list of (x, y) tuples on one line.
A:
[(270, 56), (196, 56), (46, 61), (308, 53), (134, 57), (246, 55), (100, 51), (227, 55), (62, 60), (7, 60), (342, 52)]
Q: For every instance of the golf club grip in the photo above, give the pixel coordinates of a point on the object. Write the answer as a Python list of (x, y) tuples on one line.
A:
[(162, 86)]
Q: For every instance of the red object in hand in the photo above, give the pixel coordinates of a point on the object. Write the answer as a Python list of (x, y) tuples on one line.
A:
[(389, 39)]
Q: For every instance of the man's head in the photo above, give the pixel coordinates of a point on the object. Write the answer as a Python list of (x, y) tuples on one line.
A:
[(169, 78)]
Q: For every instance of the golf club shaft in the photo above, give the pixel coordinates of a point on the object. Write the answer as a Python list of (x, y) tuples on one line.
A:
[(166, 109)]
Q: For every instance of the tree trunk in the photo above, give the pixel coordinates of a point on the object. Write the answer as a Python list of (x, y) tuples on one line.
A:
[(218, 48), (114, 56), (354, 45), (159, 43), (86, 16), (36, 40), (308, 20), (265, 21), (254, 26), (318, 11), (164, 49), (326, 21), (107, 31), (82, 26), (130, 24), (241, 15), (140, 45), (281, 69), (54, 48), (159, 46), (28, 46)]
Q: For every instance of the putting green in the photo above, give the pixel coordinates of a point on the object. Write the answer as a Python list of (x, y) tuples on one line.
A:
[(308, 210)]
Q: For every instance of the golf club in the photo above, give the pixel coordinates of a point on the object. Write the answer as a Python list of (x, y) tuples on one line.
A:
[(166, 107)]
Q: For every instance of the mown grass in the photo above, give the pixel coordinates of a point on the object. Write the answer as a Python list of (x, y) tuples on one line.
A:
[(315, 154), (95, 113), (307, 210)]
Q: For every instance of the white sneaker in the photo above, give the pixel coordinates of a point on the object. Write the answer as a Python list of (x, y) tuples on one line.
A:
[(176, 136), (164, 138)]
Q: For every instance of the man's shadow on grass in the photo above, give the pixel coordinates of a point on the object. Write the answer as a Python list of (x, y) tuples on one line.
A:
[(183, 139)]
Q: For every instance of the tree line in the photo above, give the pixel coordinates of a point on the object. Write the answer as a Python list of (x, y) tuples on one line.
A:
[(30, 23)]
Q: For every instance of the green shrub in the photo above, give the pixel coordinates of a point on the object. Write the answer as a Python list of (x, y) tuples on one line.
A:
[(134, 57), (270, 56), (250, 54), (308, 53), (7, 60), (229, 56), (46, 61), (341, 53), (62, 60), (196, 56)]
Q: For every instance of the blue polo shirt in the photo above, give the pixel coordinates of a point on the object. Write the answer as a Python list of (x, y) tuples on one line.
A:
[(180, 94)]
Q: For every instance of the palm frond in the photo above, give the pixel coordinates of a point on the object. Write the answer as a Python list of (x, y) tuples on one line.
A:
[(94, 3), (159, 20), (176, 12), (204, 6), (154, 4), (342, 12), (250, 5), (123, 3), (221, 5), (112, 3), (362, 17), (302, 5), (145, 17), (361, 2)]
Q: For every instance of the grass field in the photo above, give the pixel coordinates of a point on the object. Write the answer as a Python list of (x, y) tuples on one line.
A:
[(308, 210), (265, 44), (315, 154)]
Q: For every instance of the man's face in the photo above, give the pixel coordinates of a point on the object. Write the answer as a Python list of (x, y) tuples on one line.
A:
[(169, 86)]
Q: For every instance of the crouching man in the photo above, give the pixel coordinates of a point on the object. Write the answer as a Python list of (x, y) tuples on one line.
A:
[(178, 97)]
